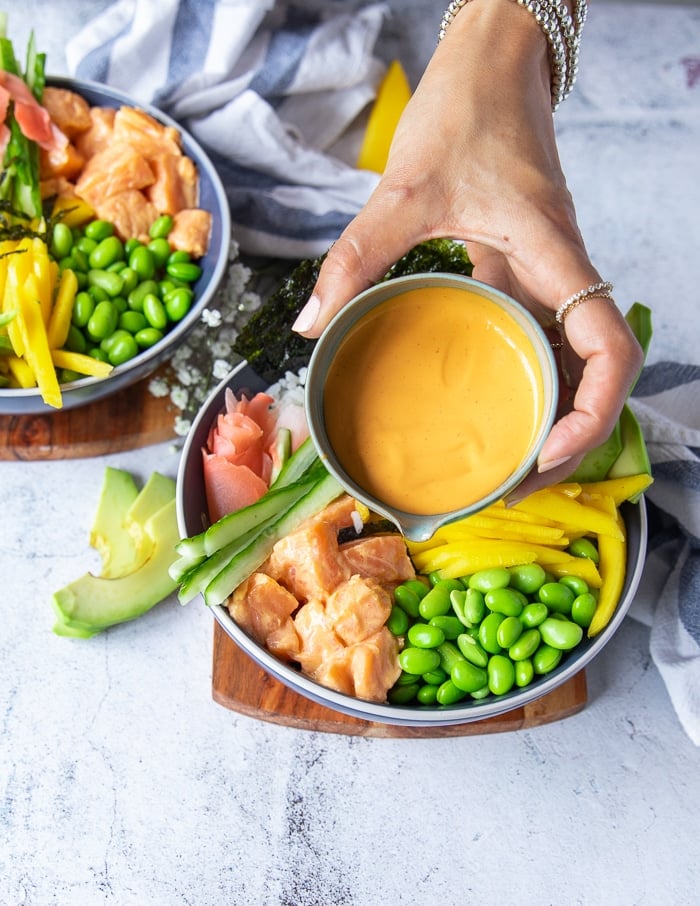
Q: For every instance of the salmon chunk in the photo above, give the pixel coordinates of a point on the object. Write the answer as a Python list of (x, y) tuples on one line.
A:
[(174, 186), (264, 609), (130, 212), (100, 132), (191, 231), (308, 562), (338, 513), (116, 169), (375, 665), (380, 557), (318, 642), (68, 110), (357, 609), (144, 133)]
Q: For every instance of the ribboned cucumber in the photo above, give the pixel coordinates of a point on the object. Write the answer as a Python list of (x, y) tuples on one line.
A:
[(248, 560)]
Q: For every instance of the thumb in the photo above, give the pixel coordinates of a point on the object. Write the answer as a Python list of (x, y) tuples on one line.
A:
[(364, 252)]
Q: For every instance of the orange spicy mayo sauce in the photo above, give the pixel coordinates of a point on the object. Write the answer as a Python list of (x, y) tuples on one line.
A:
[(433, 400)]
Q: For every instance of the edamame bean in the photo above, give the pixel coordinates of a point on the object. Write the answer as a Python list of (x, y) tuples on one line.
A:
[(408, 600), (160, 250), (103, 321), (123, 349), (133, 321), (489, 579), (450, 626), (436, 602), (403, 695), (397, 623), (179, 256), (524, 673), (131, 244), (474, 606), (527, 577), (457, 599), (141, 261), (505, 601), (449, 694), (61, 241), (161, 227), (583, 608), (449, 656), (110, 282), (427, 695), (130, 278), (99, 230), (584, 547), (154, 311), (83, 307), (178, 303), (435, 677), (508, 632), (136, 296), (468, 677), (97, 293), (488, 630), (525, 646), (545, 659), (484, 692), (501, 674), (106, 253), (533, 614), (562, 634), (75, 341), (578, 585), (184, 270), (148, 337), (472, 650), (419, 660), (556, 596), (418, 587), (85, 244), (405, 679), (423, 635)]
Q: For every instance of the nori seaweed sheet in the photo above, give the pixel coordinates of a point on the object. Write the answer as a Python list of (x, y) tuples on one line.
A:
[(272, 348)]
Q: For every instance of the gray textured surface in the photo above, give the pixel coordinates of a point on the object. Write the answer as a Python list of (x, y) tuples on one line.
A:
[(122, 783)]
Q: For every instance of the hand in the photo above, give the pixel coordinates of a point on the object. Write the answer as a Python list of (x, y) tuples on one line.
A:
[(475, 158)]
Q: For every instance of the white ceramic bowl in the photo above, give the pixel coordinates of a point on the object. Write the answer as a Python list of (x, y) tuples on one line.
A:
[(192, 519), (212, 197)]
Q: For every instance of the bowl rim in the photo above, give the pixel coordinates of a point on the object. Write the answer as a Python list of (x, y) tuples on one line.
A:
[(143, 361), (466, 711)]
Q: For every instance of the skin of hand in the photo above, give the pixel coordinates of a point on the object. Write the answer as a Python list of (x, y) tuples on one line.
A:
[(474, 157)]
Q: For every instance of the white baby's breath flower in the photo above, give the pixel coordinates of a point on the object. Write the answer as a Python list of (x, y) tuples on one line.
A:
[(182, 426), (179, 396), (158, 387), (220, 369), (211, 318)]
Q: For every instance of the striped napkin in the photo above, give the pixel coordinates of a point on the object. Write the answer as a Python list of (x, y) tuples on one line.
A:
[(665, 402), (267, 88)]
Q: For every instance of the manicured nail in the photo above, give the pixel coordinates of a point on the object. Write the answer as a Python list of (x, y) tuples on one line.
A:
[(553, 464), (307, 316)]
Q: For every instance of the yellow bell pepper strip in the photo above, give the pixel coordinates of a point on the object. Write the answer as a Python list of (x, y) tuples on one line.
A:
[(36, 344), (393, 95), (41, 267), (22, 374), (62, 311), (620, 489), (613, 564), (83, 364), (573, 516)]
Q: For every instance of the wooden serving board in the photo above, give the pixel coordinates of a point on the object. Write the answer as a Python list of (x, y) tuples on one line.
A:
[(239, 684), (126, 420)]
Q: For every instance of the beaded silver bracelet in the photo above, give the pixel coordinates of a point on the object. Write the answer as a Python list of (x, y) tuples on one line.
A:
[(563, 33)]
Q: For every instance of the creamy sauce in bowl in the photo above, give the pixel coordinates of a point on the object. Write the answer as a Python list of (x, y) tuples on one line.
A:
[(435, 398)]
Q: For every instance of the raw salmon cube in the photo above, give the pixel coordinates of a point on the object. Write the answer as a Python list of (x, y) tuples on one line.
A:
[(130, 212), (375, 665), (98, 136), (318, 641), (262, 608), (68, 110), (191, 231), (116, 169), (308, 562), (358, 608), (144, 133), (381, 557), (175, 182)]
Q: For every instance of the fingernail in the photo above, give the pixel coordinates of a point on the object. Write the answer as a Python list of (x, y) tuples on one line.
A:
[(307, 316), (553, 464)]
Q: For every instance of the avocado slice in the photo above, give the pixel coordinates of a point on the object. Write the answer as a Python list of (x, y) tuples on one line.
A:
[(634, 458), (108, 535), (92, 603)]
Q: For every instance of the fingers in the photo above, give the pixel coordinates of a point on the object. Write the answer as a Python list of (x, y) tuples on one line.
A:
[(365, 251), (598, 334)]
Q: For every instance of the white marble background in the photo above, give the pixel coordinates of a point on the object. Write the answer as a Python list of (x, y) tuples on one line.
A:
[(122, 783)]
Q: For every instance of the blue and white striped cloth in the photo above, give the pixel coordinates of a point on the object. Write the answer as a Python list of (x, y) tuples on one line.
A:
[(268, 88), (665, 402)]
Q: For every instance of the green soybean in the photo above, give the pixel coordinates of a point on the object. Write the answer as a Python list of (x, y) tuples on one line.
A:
[(449, 655), (450, 626), (99, 230), (578, 585), (85, 244), (457, 599), (435, 677), (141, 260), (161, 227), (427, 695), (472, 650), (61, 241), (419, 660), (489, 579), (108, 281), (137, 295), (449, 694), (545, 659), (75, 341), (419, 588), (106, 253), (397, 623), (527, 578), (562, 634), (533, 614), (508, 632), (403, 695), (525, 646), (524, 673), (408, 600), (488, 632), (405, 679), (154, 311), (83, 307), (423, 635), (505, 601), (583, 608), (184, 270), (103, 321), (436, 602), (556, 597), (484, 692), (160, 250), (123, 349), (468, 677), (130, 278), (474, 606), (133, 321), (584, 547), (178, 303), (501, 674), (148, 337)]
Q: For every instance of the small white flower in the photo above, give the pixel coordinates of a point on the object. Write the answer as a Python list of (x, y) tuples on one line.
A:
[(158, 387), (182, 426), (179, 396), (220, 369), (211, 317)]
